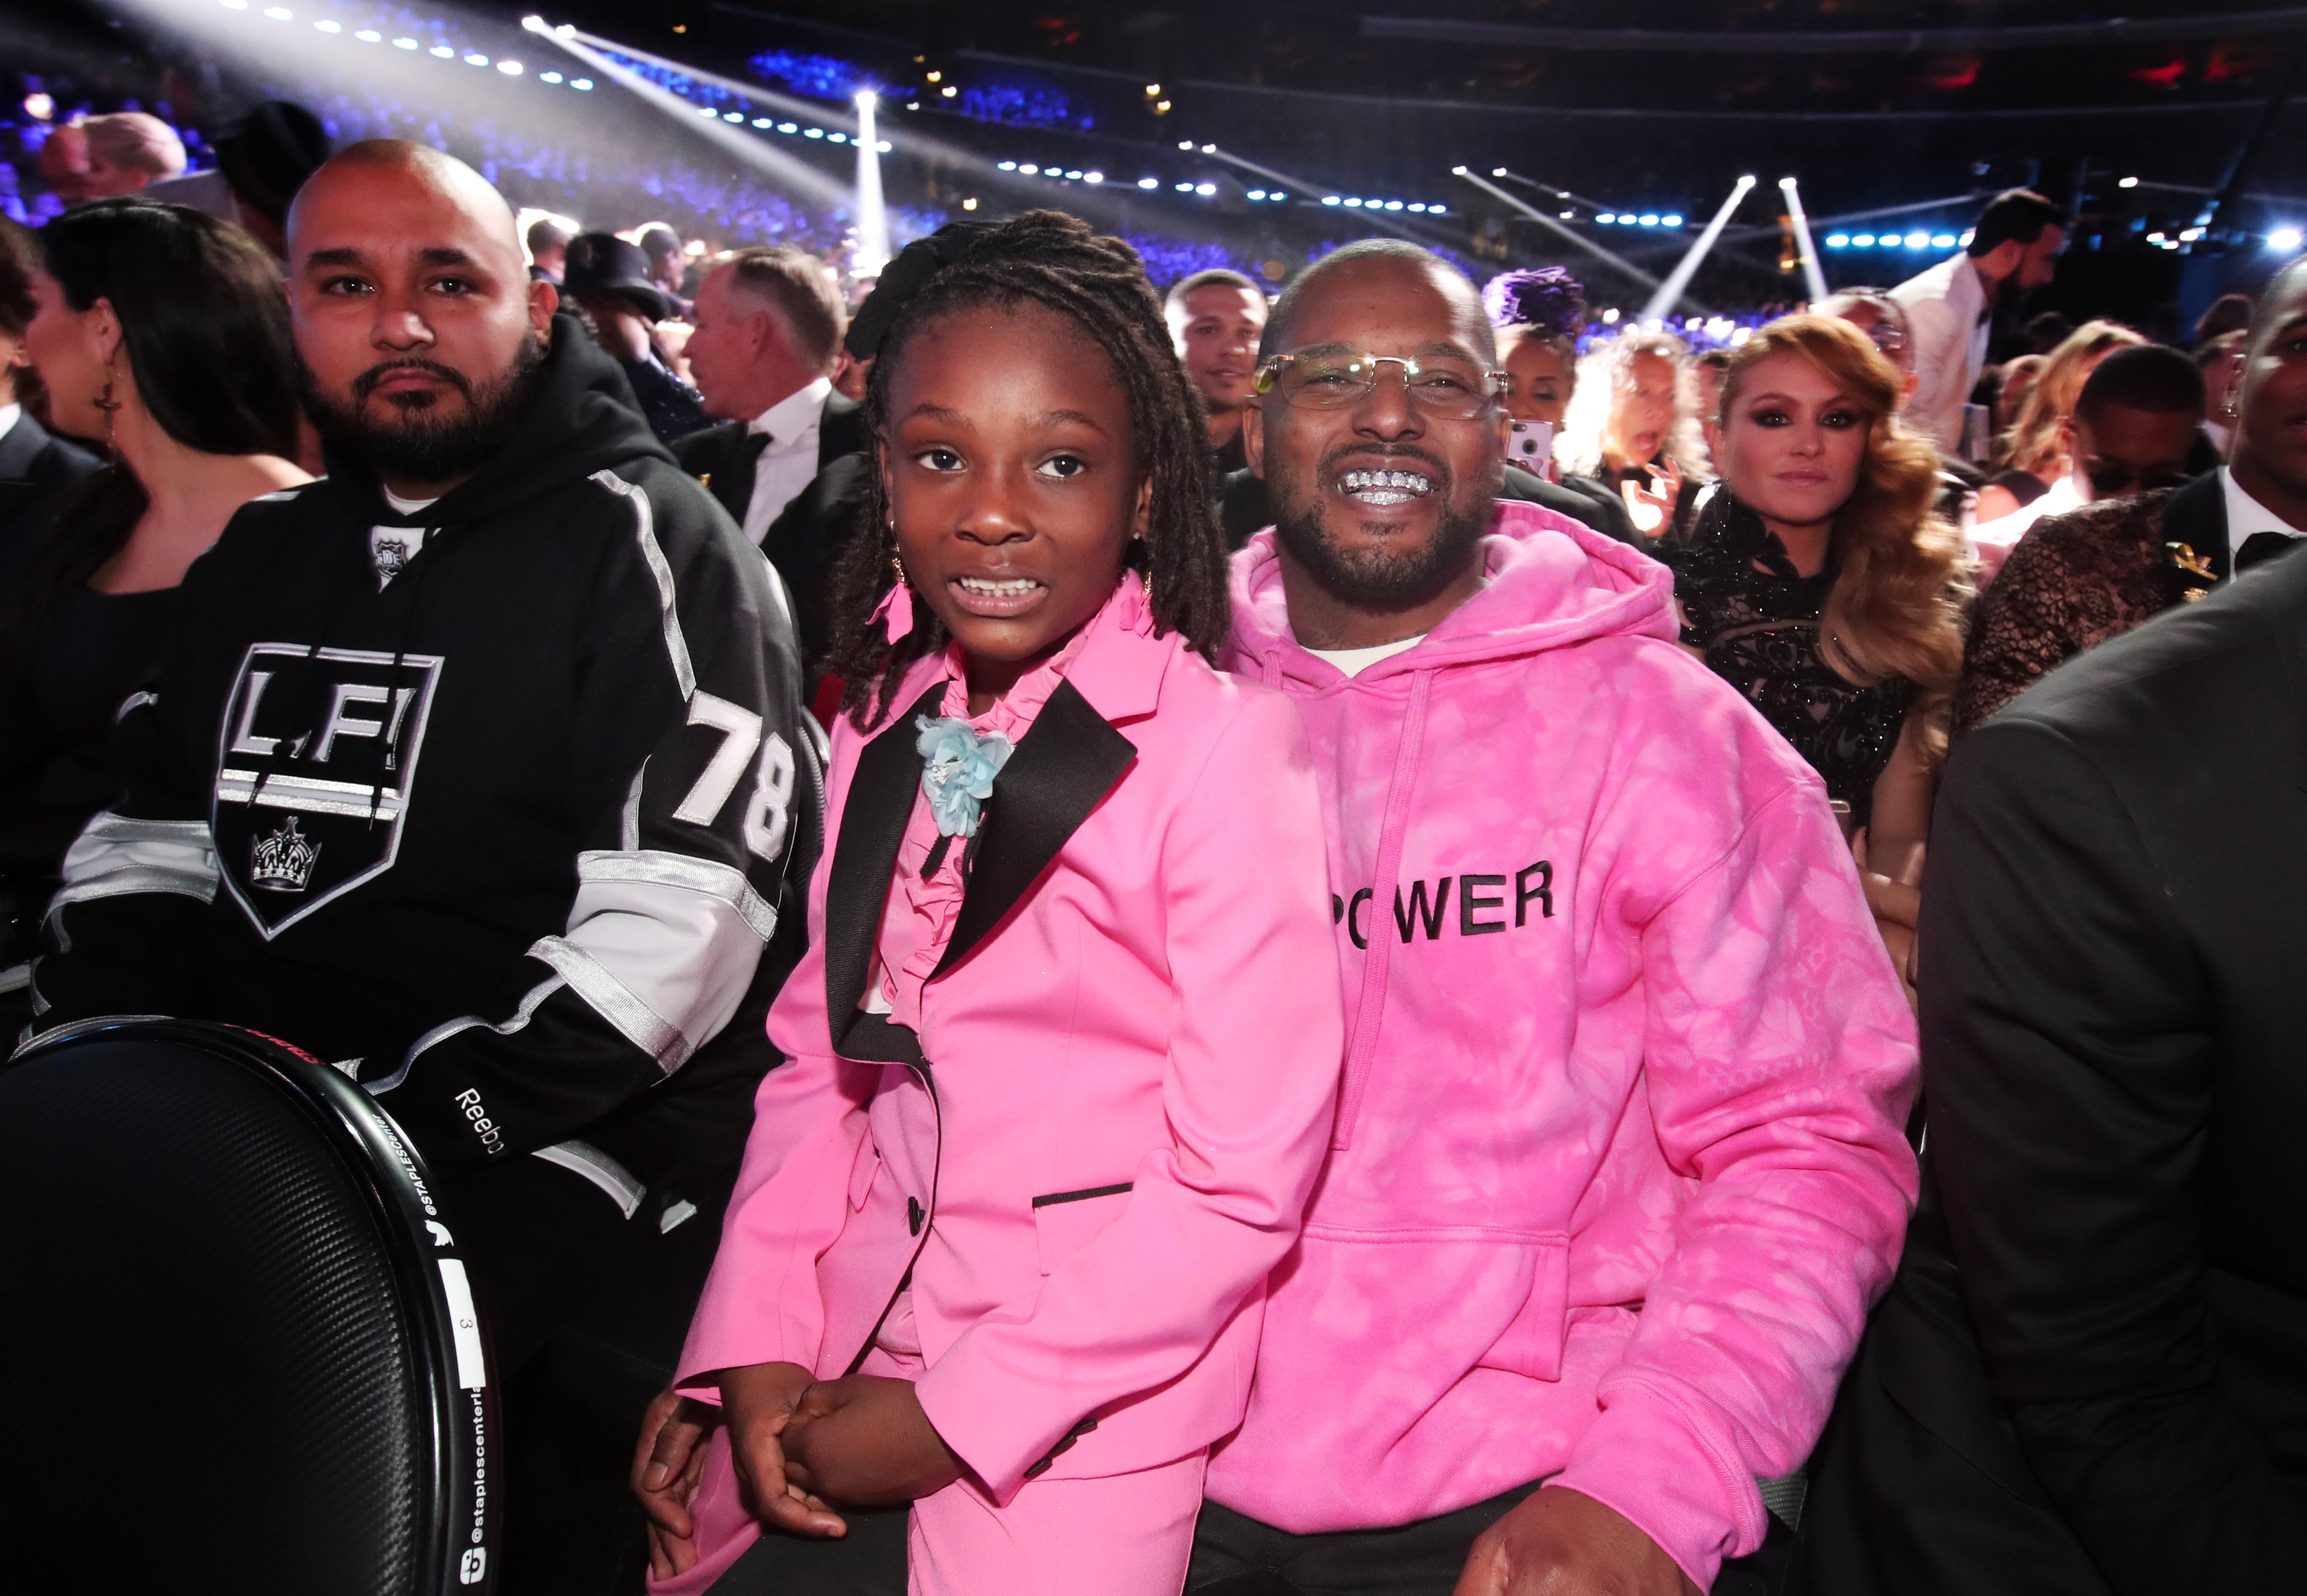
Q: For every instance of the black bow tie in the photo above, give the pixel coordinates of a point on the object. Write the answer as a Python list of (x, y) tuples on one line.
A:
[(2262, 545), (749, 452)]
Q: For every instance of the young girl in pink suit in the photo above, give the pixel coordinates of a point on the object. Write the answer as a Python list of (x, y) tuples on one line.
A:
[(1064, 1047)]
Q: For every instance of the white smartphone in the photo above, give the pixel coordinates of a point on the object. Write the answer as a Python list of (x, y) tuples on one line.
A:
[(1530, 444)]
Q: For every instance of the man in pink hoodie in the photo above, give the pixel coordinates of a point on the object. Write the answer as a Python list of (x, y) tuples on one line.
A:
[(1619, 1166)]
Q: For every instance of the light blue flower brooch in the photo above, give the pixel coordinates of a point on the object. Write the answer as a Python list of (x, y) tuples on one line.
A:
[(957, 770)]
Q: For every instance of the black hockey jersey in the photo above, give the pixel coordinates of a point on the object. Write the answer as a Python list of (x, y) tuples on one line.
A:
[(497, 805)]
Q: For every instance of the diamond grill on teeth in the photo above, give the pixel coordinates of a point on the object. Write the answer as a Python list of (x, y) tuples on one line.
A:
[(1411, 480), (1011, 584)]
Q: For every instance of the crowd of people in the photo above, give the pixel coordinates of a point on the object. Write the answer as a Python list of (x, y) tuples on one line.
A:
[(1206, 942)]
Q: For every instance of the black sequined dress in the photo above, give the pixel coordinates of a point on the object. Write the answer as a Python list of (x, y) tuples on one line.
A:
[(1755, 620)]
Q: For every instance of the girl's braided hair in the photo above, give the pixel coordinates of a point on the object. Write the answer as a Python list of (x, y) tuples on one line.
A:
[(1054, 260)]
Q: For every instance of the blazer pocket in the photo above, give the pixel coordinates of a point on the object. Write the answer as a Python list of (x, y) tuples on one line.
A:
[(1065, 1220), (1531, 1343)]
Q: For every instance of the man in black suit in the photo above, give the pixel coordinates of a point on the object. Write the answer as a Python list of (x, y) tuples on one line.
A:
[(2091, 1375), (34, 463), (2137, 547), (788, 459)]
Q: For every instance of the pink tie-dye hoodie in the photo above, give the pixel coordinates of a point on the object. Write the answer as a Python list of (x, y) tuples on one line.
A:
[(1619, 1166)]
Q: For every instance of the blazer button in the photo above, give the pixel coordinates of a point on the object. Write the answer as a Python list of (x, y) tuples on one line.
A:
[(913, 1215)]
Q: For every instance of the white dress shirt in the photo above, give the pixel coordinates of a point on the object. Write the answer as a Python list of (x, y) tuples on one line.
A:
[(2246, 515), (789, 463), (1944, 306), (9, 415)]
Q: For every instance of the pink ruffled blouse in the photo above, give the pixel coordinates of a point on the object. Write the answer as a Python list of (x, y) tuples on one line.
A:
[(918, 920)]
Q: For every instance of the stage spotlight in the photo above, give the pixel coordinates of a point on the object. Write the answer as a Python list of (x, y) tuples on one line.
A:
[(1607, 218), (2285, 240), (1670, 220), (1498, 171), (1149, 183), (511, 69), (867, 100), (40, 107), (533, 23), (1942, 241), (1331, 199), (370, 35), (1457, 171), (2128, 182), (1092, 178), (1837, 241)]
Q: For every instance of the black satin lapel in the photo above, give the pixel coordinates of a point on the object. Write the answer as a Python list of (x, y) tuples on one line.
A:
[(857, 887), (1067, 763)]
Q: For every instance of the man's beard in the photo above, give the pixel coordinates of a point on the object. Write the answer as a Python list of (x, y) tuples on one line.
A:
[(420, 444), (1385, 578)]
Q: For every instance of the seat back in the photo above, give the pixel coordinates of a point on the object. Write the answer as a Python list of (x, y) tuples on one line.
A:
[(238, 1342)]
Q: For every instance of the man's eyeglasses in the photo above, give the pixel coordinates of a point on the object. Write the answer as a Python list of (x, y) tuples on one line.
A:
[(2112, 479), (1453, 389)]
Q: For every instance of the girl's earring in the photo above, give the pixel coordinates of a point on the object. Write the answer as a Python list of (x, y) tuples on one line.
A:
[(897, 608), (107, 404)]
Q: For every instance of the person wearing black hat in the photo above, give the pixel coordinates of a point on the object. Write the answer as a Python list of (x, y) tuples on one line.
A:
[(262, 161), (609, 279)]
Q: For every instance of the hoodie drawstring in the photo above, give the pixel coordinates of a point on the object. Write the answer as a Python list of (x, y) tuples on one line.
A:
[(1363, 1043)]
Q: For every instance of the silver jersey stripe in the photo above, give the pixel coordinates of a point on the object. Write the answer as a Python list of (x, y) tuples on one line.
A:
[(603, 1171), (715, 880), (107, 826), (116, 855), (614, 1002), (134, 700), (684, 674), (442, 1033)]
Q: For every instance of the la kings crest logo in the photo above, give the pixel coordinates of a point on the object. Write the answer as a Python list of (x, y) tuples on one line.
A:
[(283, 862), (315, 768)]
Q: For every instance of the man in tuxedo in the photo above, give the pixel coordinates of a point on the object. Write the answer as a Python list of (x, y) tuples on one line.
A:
[(2139, 542), (2077, 579), (33, 462), (2090, 1378), (788, 459)]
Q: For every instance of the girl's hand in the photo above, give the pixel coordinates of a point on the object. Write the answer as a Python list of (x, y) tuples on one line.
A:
[(667, 1465), (761, 1405), (864, 1440)]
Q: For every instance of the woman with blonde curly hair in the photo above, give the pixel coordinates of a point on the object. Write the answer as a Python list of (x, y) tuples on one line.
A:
[(2034, 459), (1628, 433), (1820, 583)]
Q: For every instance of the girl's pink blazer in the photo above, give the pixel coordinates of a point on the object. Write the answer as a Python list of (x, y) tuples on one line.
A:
[(1103, 1137)]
